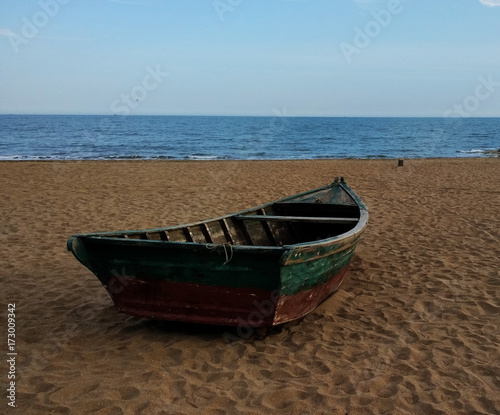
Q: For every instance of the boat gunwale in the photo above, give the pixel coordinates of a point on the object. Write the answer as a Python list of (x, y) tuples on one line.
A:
[(175, 244), (106, 237)]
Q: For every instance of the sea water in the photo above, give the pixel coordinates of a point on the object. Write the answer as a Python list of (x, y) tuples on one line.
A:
[(79, 137)]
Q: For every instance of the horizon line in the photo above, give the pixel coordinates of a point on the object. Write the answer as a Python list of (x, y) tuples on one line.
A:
[(243, 115)]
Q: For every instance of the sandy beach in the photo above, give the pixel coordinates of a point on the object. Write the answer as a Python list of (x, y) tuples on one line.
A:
[(414, 329)]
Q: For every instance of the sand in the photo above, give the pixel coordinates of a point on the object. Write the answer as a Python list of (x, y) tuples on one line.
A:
[(414, 329)]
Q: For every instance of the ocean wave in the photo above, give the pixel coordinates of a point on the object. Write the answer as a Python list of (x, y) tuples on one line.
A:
[(201, 157), (470, 151), (461, 153), (27, 158), (480, 151)]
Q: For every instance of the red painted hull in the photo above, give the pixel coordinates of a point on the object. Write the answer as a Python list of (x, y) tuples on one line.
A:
[(228, 306), (195, 303), (297, 305)]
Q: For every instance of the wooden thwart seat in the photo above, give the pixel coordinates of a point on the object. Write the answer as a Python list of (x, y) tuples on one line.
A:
[(275, 218)]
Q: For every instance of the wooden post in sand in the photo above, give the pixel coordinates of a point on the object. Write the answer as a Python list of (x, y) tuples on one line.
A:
[(400, 162)]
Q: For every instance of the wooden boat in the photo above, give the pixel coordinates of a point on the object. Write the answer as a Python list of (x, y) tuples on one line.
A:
[(257, 268)]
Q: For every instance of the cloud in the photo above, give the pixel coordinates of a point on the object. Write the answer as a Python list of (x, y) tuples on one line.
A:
[(6, 32), (491, 3)]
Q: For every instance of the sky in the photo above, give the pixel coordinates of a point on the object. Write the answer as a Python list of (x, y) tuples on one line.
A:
[(251, 57)]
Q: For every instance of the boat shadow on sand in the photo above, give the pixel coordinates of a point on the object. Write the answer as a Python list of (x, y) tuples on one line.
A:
[(162, 330)]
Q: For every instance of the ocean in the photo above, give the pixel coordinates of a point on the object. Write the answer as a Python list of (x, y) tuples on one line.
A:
[(91, 137)]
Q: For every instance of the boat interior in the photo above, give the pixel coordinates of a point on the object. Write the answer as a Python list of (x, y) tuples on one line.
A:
[(274, 225)]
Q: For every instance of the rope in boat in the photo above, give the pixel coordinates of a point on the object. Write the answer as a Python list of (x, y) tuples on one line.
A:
[(225, 245)]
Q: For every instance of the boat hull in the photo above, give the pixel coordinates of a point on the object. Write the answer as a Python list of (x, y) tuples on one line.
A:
[(249, 289), (257, 268)]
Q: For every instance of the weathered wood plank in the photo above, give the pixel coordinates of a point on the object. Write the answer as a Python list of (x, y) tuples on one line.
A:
[(323, 210), (135, 236), (198, 234), (237, 232), (178, 235), (268, 230), (257, 233), (275, 218), (153, 236), (248, 238), (282, 232), (216, 232), (189, 234), (226, 231), (206, 230)]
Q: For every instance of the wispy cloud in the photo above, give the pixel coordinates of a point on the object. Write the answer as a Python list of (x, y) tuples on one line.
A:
[(491, 3)]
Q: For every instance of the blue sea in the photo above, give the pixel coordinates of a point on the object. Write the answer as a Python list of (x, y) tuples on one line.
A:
[(81, 137)]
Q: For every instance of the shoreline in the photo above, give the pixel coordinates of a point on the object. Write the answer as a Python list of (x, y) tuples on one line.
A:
[(493, 155)]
